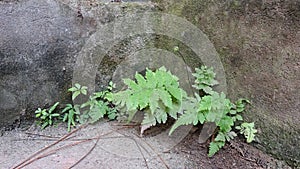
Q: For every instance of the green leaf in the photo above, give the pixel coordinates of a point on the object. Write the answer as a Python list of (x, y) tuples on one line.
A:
[(153, 102), (232, 112), (77, 85), (239, 117), (225, 124), (140, 79), (248, 130), (220, 137), (96, 113), (148, 121), (230, 135), (65, 117), (112, 116), (213, 149), (205, 103), (53, 107), (67, 108), (175, 92), (45, 125), (184, 119), (161, 116), (75, 94), (166, 98), (83, 91), (72, 89), (201, 118), (55, 115)]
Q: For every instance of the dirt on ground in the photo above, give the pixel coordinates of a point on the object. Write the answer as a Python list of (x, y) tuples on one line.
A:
[(111, 145)]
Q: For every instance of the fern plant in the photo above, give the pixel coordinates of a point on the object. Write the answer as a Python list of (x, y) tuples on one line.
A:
[(204, 79), (157, 94), (214, 107), (248, 130)]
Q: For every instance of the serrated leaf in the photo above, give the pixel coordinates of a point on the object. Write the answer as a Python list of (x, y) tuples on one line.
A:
[(140, 79), (201, 118), (131, 84), (230, 135), (220, 137), (161, 116), (153, 102), (166, 98), (248, 130), (148, 121), (184, 119), (205, 103), (211, 116), (213, 149), (225, 124), (175, 92)]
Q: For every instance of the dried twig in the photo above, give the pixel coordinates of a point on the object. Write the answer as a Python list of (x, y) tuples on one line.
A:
[(20, 165), (89, 152)]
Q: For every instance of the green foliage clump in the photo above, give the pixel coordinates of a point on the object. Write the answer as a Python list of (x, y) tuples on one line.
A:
[(46, 116), (214, 107), (98, 106), (157, 94), (205, 79), (89, 112)]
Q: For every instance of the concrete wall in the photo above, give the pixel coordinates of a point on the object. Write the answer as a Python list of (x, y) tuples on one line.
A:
[(259, 45), (258, 41)]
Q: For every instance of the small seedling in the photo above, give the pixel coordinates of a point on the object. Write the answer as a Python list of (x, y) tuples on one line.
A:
[(77, 90), (71, 114), (46, 116)]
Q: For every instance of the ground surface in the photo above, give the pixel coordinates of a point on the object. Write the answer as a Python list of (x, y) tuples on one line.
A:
[(109, 145)]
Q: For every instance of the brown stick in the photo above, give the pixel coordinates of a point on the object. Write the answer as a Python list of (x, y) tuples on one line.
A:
[(47, 147)]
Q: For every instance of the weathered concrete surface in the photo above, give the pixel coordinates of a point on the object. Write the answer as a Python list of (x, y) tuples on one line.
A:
[(259, 44), (117, 147), (39, 40)]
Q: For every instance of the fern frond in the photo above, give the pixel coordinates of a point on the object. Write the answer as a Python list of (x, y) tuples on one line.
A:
[(214, 147), (184, 119), (148, 121)]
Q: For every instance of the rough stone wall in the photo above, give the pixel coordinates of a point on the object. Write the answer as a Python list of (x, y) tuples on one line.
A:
[(39, 40), (259, 45)]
